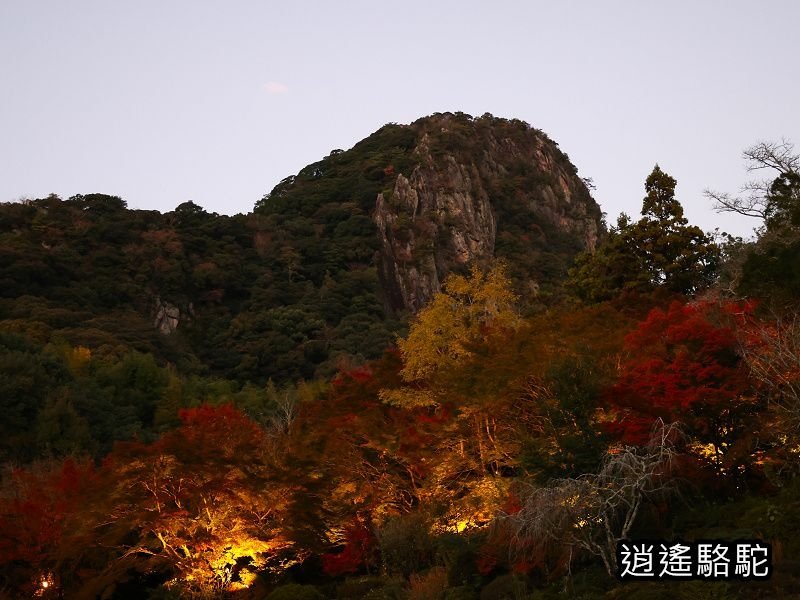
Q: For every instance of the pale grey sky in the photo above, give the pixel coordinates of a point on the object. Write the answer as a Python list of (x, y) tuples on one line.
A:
[(166, 101)]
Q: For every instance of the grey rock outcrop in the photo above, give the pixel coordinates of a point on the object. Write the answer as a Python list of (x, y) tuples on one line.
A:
[(473, 180), (167, 316)]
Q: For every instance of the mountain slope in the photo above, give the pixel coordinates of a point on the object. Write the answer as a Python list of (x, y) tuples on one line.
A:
[(323, 272), (444, 192)]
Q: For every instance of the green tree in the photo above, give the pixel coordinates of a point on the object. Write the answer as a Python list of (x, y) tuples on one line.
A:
[(614, 267), (60, 430), (785, 196), (569, 441), (659, 250), (28, 377), (678, 256)]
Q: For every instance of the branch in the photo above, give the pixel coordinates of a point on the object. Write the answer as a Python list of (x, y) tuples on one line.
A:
[(596, 510), (775, 156), (773, 355), (778, 156), (749, 207)]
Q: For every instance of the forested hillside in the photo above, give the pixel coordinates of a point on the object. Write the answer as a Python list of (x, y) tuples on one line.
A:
[(324, 271), (420, 369), (321, 276)]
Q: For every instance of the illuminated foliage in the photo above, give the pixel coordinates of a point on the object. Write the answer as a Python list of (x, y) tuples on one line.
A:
[(359, 544), (37, 510), (445, 333), (772, 353), (684, 364), (371, 465), (200, 502)]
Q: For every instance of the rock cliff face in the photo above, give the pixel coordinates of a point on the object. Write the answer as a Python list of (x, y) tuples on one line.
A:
[(481, 189)]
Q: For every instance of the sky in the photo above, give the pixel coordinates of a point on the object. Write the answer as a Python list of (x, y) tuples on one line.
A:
[(165, 101)]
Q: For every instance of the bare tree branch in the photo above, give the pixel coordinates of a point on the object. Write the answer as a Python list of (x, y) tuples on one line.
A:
[(751, 206), (773, 355), (595, 511), (779, 157)]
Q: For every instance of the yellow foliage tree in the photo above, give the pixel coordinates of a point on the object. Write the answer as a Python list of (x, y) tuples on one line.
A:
[(445, 333)]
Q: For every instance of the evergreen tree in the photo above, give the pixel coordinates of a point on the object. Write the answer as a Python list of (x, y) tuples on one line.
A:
[(659, 250)]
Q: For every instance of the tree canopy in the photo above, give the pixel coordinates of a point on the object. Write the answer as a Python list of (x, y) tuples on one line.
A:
[(660, 250)]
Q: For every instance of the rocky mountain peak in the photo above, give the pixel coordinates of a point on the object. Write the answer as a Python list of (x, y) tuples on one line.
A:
[(481, 188)]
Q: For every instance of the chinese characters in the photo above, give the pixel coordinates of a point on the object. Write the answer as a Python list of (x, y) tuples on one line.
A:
[(703, 559)]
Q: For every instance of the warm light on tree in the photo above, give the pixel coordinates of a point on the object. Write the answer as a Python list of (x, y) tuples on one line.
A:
[(465, 314)]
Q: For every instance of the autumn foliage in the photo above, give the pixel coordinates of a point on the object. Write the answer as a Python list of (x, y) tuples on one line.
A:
[(684, 363), (359, 544), (37, 512), (423, 458)]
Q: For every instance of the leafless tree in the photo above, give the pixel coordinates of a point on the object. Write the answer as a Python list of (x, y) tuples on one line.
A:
[(773, 354), (594, 511), (285, 408), (753, 200)]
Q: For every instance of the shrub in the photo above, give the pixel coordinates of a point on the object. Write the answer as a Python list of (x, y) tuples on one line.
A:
[(374, 588), (405, 544), (295, 591), (458, 554), (428, 586), (463, 592), (505, 587)]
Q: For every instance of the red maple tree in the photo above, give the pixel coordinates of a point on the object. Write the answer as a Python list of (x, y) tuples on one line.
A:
[(684, 365)]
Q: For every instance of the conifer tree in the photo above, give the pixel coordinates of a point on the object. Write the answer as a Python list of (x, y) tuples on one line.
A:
[(659, 250)]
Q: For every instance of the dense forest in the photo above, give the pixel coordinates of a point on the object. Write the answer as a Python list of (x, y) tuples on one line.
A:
[(207, 406)]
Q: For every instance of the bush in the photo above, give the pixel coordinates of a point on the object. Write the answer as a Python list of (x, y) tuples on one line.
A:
[(463, 592), (295, 591), (428, 586), (406, 545), (505, 587), (373, 588), (458, 554)]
